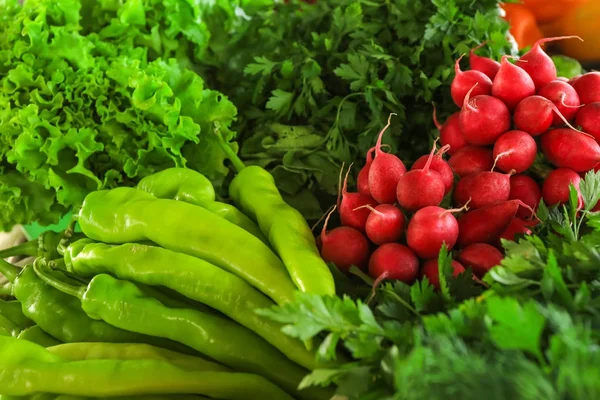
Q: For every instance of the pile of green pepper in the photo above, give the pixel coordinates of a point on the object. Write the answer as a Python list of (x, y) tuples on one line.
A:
[(156, 298)]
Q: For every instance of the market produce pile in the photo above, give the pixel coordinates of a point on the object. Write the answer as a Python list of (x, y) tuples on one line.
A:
[(492, 147), (99, 94), (457, 262), (158, 296)]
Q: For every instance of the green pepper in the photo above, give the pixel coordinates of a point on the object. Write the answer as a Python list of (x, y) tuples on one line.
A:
[(28, 369), (194, 278), (124, 215), (61, 315), (132, 351), (44, 246), (254, 191), (122, 304), (37, 335), (180, 184), (192, 187), (7, 327), (13, 311)]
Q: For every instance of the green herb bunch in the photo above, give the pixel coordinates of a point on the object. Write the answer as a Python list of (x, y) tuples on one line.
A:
[(315, 83)]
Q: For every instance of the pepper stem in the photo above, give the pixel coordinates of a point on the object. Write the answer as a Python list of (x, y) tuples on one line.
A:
[(24, 249), (39, 268), (237, 162), (9, 271)]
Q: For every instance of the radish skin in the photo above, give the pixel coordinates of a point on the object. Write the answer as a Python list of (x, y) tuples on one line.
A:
[(386, 224), (464, 80), (535, 115), (420, 188), (362, 181), (588, 118), (349, 207), (471, 160), (480, 257), (566, 148), (517, 226), (512, 84), (588, 87), (483, 188), (532, 115), (385, 172), (397, 260), (429, 229), (483, 64), (556, 186), (439, 165), (538, 65), (450, 134), (344, 246), (486, 224), (564, 97), (515, 151), (483, 119), (525, 189), (430, 270)]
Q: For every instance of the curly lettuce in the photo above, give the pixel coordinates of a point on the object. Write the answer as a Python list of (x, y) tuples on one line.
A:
[(95, 94)]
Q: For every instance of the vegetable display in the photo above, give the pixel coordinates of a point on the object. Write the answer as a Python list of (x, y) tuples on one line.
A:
[(499, 186), (309, 200), (181, 282)]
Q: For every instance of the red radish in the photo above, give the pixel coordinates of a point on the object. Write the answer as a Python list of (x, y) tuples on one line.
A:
[(538, 65), (562, 79), (535, 115), (483, 188), (570, 149), (439, 165), (450, 134), (486, 224), (588, 87), (483, 64), (351, 202), (471, 159), (512, 84), (517, 226), (420, 188), (385, 172), (524, 188), (385, 224), (429, 229), (564, 97), (556, 186), (588, 118), (480, 257), (362, 181), (464, 81), (344, 246), (483, 119), (515, 151), (430, 270), (397, 260)]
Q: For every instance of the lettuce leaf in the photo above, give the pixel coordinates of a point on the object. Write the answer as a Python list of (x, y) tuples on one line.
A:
[(94, 95)]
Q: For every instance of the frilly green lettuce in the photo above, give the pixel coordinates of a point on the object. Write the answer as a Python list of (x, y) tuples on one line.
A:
[(95, 94)]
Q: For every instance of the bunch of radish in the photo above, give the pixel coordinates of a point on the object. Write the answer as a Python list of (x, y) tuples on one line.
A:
[(394, 225)]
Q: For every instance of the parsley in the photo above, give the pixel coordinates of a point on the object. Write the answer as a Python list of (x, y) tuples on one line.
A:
[(338, 68)]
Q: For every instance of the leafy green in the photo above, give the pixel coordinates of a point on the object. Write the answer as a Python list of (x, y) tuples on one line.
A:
[(325, 77), (94, 95)]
